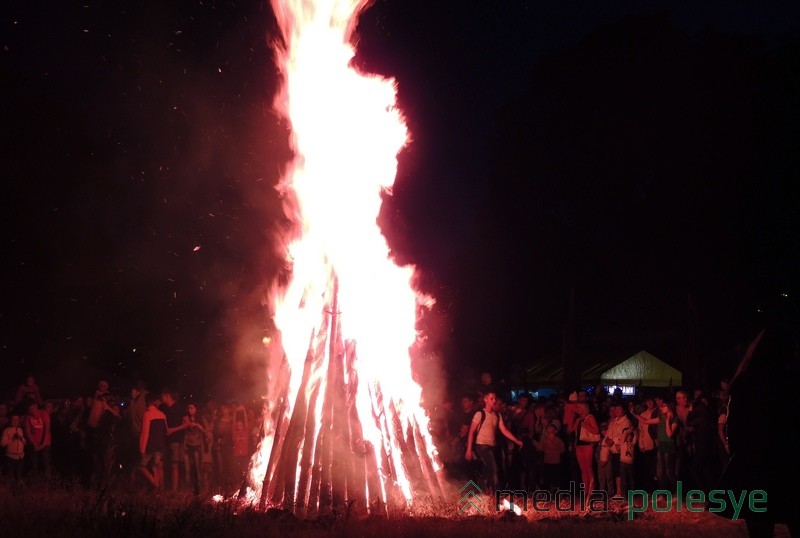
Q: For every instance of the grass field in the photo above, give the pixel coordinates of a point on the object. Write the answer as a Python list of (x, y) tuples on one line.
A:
[(63, 511)]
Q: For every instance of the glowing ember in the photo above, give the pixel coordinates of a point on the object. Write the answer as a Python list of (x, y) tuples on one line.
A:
[(505, 506), (343, 420)]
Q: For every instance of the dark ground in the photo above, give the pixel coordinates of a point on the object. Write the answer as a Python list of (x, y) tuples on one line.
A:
[(55, 512)]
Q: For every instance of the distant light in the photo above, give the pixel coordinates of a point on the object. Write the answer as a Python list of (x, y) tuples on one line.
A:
[(217, 498), (626, 391), (784, 294)]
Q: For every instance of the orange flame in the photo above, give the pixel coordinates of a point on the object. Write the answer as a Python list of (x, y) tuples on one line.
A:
[(347, 133)]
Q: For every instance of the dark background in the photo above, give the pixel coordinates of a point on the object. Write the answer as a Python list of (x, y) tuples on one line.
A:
[(624, 173)]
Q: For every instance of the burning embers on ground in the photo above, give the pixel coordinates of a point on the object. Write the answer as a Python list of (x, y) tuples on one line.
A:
[(344, 426)]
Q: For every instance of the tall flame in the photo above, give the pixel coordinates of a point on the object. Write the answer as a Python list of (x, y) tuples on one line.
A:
[(347, 133)]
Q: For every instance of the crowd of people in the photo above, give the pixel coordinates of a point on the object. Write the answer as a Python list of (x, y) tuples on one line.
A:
[(152, 440), (158, 440), (502, 439), (596, 440)]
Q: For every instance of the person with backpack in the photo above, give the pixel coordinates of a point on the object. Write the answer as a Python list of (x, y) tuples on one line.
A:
[(482, 440)]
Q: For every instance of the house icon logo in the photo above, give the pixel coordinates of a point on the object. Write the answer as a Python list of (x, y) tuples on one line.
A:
[(469, 497)]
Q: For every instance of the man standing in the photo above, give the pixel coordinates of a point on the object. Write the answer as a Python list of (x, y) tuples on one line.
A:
[(618, 427), (482, 434), (647, 436), (175, 433), (101, 426), (153, 443), (525, 463), (135, 418), (37, 430)]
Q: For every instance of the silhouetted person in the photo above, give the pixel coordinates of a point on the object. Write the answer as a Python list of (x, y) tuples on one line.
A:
[(194, 441), (37, 433), (702, 423), (153, 443), (134, 417), (762, 427), (102, 424), (13, 444), (176, 426), (28, 391)]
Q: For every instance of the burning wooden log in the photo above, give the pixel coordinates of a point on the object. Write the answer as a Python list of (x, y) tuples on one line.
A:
[(303, 481), (325, 443), (388, 471), (292, 444), (320, 459), (281, 423), (357, 486), (409, 457), (428, 468), (277, 485), (376, 499), (340, 439), (315, 443)]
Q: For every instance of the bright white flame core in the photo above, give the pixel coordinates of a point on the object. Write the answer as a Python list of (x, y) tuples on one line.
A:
[(505, 506), (347, 133)]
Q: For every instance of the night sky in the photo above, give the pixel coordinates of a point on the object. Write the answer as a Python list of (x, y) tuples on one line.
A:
[(636, 160)]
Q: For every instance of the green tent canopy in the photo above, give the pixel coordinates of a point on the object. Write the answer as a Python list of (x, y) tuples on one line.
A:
[(642, 369)]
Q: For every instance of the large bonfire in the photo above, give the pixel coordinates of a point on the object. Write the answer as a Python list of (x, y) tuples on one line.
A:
[(343, 425)]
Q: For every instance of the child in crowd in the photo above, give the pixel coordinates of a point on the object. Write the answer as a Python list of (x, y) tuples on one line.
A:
[(626, 459), (605, 472), (13, 441), (241, 441), (552, 448)]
